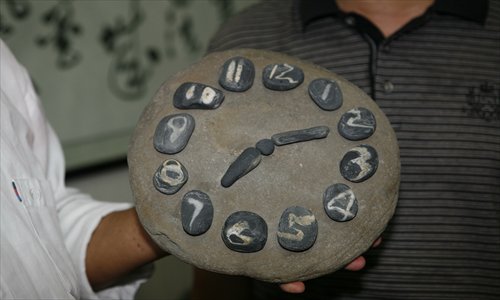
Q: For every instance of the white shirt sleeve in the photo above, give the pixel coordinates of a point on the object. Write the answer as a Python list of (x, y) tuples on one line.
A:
[(78, 213)]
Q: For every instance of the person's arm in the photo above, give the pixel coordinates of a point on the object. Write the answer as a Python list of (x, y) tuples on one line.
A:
[(118, 246)]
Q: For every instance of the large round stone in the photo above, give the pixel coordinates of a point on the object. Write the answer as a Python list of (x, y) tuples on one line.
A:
[(296, 174)]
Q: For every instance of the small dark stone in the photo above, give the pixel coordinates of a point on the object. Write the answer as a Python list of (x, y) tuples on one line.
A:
[(245, 231), (173, 132), (359, 163), (237, 74), (298, 229), (282, 77), (244, 163), (197, 212), (357, 124), (265, 146), (325, 93), (301, 135), (340, 203), (197, 95), (170, 177)]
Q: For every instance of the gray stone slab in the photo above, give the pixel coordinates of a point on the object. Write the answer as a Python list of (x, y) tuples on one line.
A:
[(294, 175)]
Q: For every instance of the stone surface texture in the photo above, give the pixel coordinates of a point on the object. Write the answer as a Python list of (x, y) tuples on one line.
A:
[(294, 175)]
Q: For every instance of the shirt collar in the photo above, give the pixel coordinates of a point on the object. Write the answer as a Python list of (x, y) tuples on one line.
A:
[(476, 11)]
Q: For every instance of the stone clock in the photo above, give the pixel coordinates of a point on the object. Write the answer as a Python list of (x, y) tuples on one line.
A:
[(255, 163)]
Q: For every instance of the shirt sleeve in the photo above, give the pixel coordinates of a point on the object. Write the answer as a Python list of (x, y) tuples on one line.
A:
[(78, 213)]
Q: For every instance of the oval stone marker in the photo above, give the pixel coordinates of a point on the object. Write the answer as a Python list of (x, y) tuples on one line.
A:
[(244, 231), (357, 124), (282, 77), (298, 229), (302, 135), (237, 74), (359, 163), (340, 203), (325, 93), (173, 132), (197, 212), (170, 177), (265, 146), (244, 163), (197, 95)]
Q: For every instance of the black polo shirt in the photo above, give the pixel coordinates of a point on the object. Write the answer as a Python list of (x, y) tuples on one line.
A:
[(438, 81)]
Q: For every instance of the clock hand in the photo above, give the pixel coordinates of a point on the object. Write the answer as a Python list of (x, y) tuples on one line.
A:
[(301, 135), (251, 157), (246, 162)]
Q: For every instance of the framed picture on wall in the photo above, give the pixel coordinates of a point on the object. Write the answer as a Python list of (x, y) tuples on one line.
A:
[(96, 64)]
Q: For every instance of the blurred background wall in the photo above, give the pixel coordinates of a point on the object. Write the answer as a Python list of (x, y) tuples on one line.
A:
[(95, 65)]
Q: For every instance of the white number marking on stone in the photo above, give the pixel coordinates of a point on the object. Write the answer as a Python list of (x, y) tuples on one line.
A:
[(198, 206), (172, 168), (176, 130), (326, 92), (208, 95), (237, 229), (299, 234), (353, 121), (231, 75), (190, 92), (362, 162), (347, 211), (282, 74)]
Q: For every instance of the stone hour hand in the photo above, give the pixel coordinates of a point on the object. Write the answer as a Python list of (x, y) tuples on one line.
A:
[(251, 157)]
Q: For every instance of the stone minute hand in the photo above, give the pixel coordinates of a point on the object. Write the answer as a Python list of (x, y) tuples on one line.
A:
[(251, 157)]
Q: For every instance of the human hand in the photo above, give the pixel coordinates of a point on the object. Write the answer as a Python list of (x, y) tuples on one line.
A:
[(357, 264)]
